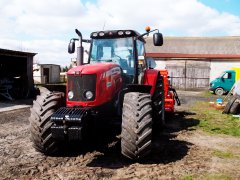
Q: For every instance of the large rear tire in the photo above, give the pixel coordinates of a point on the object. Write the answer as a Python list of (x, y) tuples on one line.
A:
[(136, 136), (230, 103), (158, 102), (235, 108), (40, 125)]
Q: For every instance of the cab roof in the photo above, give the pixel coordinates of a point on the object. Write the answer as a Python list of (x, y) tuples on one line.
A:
[(109, 34)]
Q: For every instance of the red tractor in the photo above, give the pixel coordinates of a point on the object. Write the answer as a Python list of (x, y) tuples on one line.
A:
[(115, 84)]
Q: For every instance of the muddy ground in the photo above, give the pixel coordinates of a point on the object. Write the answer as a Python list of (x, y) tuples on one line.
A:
[(179, 151)]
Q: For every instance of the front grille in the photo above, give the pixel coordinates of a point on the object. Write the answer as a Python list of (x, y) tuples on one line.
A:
[(80, 84)]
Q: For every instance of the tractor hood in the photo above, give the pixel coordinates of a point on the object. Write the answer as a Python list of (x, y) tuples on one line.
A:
[(92, 68), (102, 81)]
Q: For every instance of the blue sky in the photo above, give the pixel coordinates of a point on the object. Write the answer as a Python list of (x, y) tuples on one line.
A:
[(91, 1), (45, 26), (230, 6)]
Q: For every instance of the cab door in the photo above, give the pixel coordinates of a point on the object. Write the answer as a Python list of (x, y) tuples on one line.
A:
[(228, 80)]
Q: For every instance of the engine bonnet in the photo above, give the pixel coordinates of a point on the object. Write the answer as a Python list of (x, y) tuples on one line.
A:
[(92, 68)]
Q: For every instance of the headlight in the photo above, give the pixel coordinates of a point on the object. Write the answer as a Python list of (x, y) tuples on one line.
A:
[(212, 84), (70, 95), (89, 95)]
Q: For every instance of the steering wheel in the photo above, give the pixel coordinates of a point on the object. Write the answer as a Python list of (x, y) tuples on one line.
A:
[(115, 60), (120, 61)]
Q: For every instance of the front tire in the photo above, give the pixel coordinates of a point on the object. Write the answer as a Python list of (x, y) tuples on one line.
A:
[(40, 125), (136, 136), (219, 91)]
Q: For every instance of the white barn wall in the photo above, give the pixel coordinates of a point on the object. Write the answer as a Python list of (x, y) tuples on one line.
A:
[(218, 66), (160, 64), (156, 63)]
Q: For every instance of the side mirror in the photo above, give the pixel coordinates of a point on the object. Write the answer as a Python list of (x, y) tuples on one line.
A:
[(71, 47), (157, 39)]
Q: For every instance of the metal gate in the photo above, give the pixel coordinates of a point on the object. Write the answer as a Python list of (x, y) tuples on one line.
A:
[(189, 74)]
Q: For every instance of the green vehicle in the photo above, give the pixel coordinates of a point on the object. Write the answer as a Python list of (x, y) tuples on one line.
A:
[(225, 81)]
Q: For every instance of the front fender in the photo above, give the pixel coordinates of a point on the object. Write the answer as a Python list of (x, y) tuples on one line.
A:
[(150, 78)]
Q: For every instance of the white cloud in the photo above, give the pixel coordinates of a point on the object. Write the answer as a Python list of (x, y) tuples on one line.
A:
[(45, 27), (49, 51)]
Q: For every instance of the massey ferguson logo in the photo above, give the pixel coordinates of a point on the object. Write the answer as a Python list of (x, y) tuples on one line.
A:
[(109, 73), (113, 71)]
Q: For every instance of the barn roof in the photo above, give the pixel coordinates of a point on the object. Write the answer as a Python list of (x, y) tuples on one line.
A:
[(196, 47), (8, 52)]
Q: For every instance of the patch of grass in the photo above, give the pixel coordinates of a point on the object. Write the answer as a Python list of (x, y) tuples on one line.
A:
[(216, 177), (222, 154), (187, 178), (213, 121)]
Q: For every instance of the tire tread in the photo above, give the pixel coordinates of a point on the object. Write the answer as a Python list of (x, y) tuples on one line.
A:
[(136, 125)]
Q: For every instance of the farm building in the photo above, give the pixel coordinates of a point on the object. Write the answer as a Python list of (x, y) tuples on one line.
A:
[(16, 74), (193, 62), (46, 73)]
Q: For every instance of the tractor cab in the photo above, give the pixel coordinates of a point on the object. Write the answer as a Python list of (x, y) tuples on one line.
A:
[(122, 47), (117, 49)]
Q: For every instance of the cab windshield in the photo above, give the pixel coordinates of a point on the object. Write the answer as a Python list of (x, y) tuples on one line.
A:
[(221, 74), (117, 50)]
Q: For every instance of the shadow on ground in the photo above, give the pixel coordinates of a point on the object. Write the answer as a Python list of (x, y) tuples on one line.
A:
[(181, 120), (166, 148)]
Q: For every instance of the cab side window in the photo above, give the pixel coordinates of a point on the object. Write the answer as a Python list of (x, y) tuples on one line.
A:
[(227, 76), (141, 61), (140, 48), (141, 58)]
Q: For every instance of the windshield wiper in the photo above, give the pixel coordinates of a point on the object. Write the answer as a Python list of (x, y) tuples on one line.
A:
[(107, 60), (103, 60)]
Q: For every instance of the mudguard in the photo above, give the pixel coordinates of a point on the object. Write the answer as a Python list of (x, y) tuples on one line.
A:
[(150, 78)]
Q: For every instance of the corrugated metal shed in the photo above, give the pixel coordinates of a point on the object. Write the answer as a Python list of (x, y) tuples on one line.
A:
[(16, 74)]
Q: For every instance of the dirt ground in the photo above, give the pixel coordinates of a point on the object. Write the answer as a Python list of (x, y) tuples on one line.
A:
[(179, 152)]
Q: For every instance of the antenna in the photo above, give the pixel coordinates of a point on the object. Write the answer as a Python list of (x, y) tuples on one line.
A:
[(104, 25)]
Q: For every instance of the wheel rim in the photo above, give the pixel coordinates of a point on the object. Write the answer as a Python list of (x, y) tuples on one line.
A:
[(219, 91)]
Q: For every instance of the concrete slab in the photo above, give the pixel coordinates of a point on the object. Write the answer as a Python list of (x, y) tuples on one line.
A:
[(10, 107), (16, 104)]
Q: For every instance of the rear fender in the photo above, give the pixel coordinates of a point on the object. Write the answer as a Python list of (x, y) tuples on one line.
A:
[(150, 79), (139, 88), (130, 88)]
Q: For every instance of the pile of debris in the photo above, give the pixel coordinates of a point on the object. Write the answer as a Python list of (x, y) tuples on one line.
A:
[(233, 104)]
